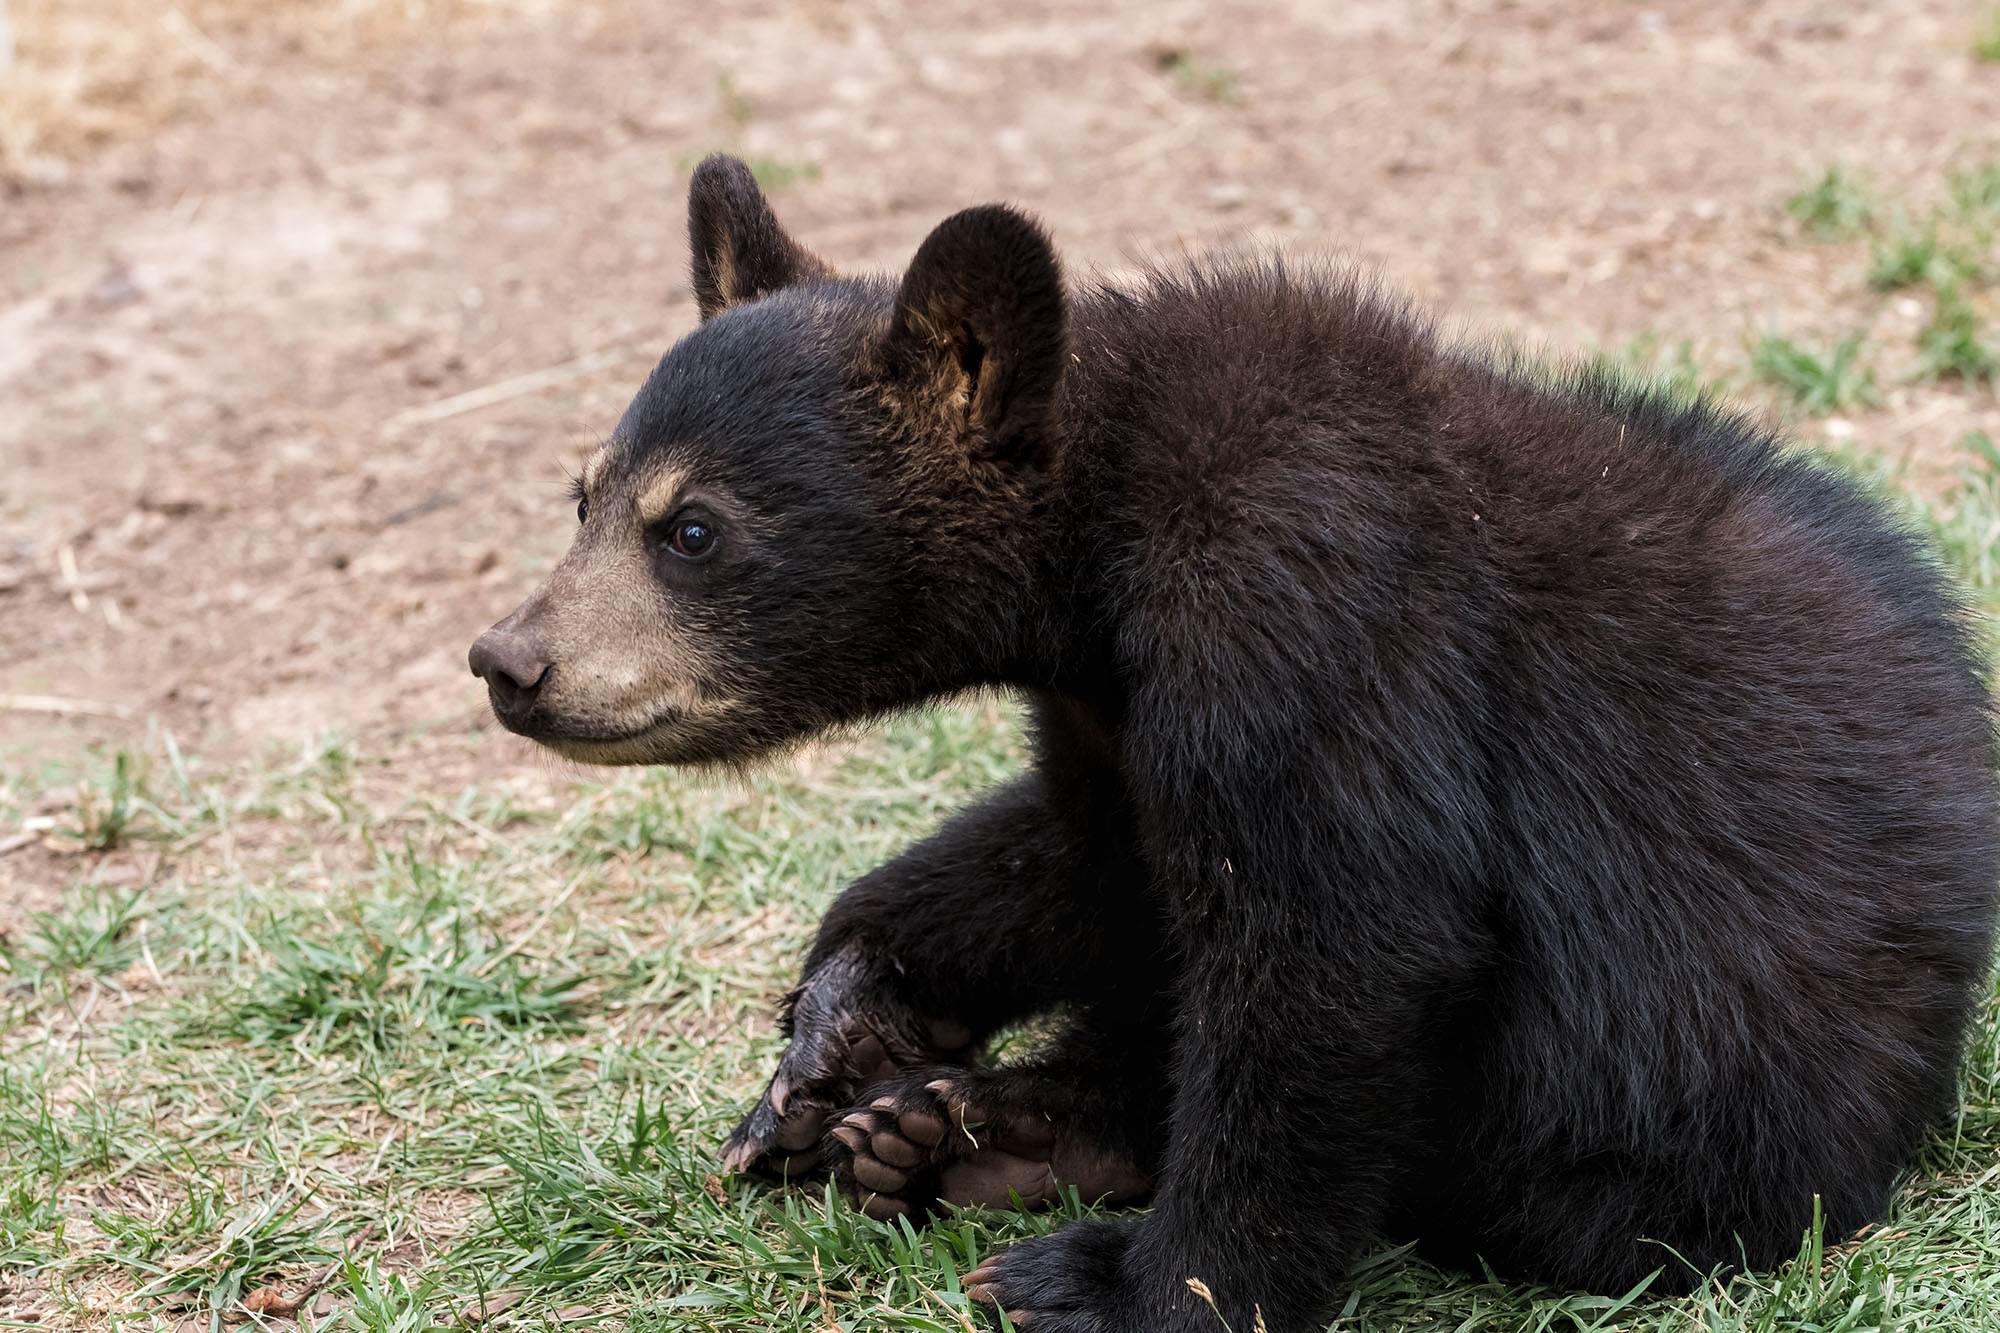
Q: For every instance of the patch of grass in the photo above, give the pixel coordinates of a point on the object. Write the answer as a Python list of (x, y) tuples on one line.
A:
[(92, 933), (1986, 42), (630, 1199), (404, 968), (1816, 382), (1976, 190), (1953, 242), (775, 173), (1914, 255), (1833, 206), (133, 796), (737, 108), (105, 808), (1966, 524), (1953, 345), (1199, 78), (30, 1220), (269, 1232)]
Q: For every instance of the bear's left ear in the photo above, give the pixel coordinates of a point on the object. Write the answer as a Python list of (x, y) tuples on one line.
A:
[(976, 341), (739, 251)]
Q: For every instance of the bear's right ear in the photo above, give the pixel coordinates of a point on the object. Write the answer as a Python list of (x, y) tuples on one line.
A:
[(739, 251), (976, 342)]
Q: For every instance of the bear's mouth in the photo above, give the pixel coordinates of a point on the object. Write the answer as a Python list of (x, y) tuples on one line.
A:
[(577, 740), (640, 747), (676, 736), (672, 732)]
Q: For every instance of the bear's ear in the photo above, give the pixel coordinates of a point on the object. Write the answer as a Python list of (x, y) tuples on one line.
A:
[(739, 251), (976, 341)]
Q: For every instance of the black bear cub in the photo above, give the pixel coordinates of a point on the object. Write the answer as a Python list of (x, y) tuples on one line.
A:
[(1529, 816)]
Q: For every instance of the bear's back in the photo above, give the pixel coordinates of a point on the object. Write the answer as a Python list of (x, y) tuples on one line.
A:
[(1701, 701)]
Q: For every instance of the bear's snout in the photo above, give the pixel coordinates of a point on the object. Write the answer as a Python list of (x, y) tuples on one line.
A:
[(513, 664)]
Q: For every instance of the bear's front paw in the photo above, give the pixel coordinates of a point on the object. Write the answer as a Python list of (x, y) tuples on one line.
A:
[(1070, 1282), (846, 1031)]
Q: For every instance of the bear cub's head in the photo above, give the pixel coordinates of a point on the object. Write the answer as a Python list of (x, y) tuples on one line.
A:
[(822, 504)]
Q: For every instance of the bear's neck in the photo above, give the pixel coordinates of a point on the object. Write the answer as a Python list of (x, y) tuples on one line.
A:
[(1051, 620)]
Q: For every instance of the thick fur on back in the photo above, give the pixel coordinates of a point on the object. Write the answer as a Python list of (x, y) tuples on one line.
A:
[(1652, 760)]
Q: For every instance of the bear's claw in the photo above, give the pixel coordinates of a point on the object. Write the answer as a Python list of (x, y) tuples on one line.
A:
[(845, 1034)]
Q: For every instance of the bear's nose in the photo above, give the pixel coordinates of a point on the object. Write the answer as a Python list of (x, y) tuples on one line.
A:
[(513, 666)]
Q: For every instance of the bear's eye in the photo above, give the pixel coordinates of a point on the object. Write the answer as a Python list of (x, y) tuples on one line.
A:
[(582, 510), (692, 539)]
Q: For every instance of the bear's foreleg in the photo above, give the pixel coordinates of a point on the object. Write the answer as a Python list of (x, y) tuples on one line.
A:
[(1320, 881), (1019, 904)]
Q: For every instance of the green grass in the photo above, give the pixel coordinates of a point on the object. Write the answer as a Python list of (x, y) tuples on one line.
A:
[(1966, 523), (1975, 191), (1833, 205), (1198, 77), (1915, 255), (446, 1052), (1950, 251), (738, 110), (1817, 382), (1986, 43), (1954, 344), (1948, 244)]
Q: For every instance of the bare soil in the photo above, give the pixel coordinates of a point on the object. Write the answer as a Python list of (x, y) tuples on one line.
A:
[(234, 502)]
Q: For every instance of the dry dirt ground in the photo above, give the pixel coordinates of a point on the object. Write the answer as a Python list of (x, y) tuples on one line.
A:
[(242, 500)]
